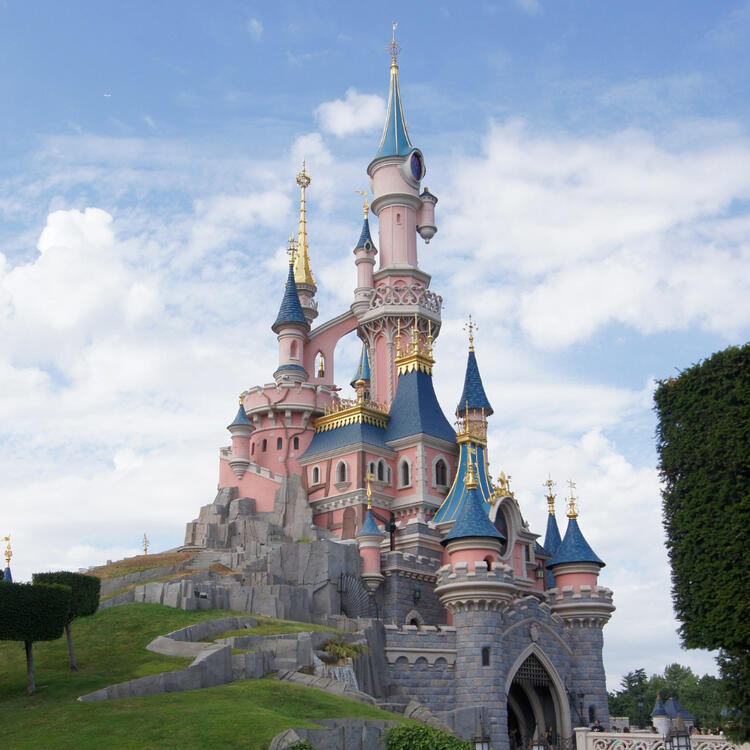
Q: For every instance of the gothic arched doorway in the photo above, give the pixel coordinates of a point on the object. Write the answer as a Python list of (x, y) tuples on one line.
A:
[(536, 701)]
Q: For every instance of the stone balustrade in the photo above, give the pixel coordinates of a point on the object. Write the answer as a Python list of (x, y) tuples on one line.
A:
[(588, 740)]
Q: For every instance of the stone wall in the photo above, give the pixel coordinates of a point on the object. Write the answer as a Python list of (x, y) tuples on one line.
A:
[(404, 574), (421, 663)]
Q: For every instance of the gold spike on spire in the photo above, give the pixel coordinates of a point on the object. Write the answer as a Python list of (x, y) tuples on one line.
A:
[(369, 477), (394, 48), (549, 484), (302, 272), (471, 326), (572, 509), (365, 205), (8, 551), (470, 481), (291, 251)]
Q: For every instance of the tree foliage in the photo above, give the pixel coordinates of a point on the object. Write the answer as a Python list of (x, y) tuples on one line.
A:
[(32, 612), (84, 599), (703, 435), (702, 696), (423, 737)]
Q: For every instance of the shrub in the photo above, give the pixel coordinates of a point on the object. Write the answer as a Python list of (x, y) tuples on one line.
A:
[(423, 737), (301, 745), (341, 649)]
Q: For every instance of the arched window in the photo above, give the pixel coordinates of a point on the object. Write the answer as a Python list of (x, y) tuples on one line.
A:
[(265, 445), (315, 475), (320, 365), (295, 443), (294, 350), (485, 656), (371, 468), (381, 470), (341, 471), (441, 472), (252, 449), (404, 474), (279, 443), (488, 560)]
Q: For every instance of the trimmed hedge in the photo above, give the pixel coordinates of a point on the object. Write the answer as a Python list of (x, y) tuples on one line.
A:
[(85, 590), (422, 737), (33, 612)]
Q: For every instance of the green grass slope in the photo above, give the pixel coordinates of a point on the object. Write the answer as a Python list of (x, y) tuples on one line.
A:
[(110, 647)]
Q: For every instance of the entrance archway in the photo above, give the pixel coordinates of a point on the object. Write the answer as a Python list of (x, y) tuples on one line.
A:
[(536, 700)]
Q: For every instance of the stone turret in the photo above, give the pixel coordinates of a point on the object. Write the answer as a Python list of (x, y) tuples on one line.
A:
[(240, 429), (364, 260)]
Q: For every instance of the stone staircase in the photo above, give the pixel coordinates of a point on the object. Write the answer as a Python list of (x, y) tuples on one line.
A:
[(206, 558)]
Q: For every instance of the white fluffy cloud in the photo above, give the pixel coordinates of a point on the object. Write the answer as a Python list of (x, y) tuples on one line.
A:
[(356, 113)]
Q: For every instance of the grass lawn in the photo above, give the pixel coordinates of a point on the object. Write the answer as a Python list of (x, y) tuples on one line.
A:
[(110, 647), (272, 626)]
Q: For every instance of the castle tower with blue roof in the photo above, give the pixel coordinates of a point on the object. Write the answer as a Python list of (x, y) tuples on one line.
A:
[(476, 616)]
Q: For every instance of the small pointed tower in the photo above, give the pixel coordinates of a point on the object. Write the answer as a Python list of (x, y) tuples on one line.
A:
[(552, 536), (660, 717), (291, 328), (472, 413), (585, 608), (7, 576), (303, 275), (369, 538), (399, 288), (364, 260), (475, 588), (361, 380), (240, 429)]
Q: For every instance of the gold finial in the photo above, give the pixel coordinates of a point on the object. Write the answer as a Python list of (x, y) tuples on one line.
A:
[(240, 399), (398, 337), (572, 509), (471, 326), (470, 481), (394, 48), (291, 251), (369, 477), (146, 543), (302, 271), (415, 334), (549, 484), (429, 337), (321, 367), (365, 205), (8, 551)]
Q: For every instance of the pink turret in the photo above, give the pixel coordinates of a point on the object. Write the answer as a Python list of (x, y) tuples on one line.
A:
[(240, 429), (369, 539)]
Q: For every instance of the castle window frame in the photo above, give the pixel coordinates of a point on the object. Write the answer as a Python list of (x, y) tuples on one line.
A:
[(295, 443), (264, 445), (381, 470), (440, 473), (279, 443), (315, 475), (404, 473), (486, 656), (342, 475)]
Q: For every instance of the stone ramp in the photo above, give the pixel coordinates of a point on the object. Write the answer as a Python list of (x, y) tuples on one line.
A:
[(327, 684)]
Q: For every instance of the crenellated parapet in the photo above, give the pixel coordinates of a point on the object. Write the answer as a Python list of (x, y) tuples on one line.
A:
[(462, 589), (591, 606)]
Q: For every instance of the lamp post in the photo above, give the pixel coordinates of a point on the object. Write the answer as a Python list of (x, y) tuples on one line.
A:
[(640, 711), (678, 737)]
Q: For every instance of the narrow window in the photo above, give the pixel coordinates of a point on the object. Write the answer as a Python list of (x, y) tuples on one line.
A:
[(279, 443), (265, 445), (252, 449), (398, 218), (293, 350), (488, 560), (405, 478), (315, 475), (441, 473), (295, 443), (381, 470), (371, 468), (341, 472), (485, 656)]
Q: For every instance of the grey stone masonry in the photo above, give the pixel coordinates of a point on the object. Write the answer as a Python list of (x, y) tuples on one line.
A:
[(406, 574), (421, 663), (338, 734)]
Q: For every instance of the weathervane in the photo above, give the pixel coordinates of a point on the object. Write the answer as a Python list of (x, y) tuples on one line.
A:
[(291, 251), (394, 48), (471, 326), (572, 510), (146, 543), (549, 484), (366, 205), (8, 551)]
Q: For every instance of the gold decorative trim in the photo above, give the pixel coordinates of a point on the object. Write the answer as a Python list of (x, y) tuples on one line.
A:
[(352, 411)]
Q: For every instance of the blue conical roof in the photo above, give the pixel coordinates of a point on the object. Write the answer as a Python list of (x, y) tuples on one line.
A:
[(473, 395), (291, 309), (473, 520), (365, 235), (369, 526), (363, 367), (395, 140), (659, 709), (456, 498), (240, 418), (552, 543), (415, 409), (574, 548), (7, 577)]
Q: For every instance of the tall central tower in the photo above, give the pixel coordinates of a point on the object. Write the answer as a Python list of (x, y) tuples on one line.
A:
[(399, 289)]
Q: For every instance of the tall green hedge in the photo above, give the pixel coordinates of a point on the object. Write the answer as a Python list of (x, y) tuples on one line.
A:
[(703, 440), (85, 590), (33, 612), (423, 737)]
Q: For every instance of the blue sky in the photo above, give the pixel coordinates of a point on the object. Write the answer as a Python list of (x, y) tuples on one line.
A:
[(592, 162)]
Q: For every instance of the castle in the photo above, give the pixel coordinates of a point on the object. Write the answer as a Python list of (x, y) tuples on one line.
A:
[(376, 507)]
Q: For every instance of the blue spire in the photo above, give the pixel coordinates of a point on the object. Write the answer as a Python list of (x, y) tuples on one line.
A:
[(473, 395), (241, 418), (659, 709), (369, 526), (574, 548), (291, 309), (395, 140), (473, 519), (552, 543), (365, 235), (456, 498), (363, 367), (7, 577)]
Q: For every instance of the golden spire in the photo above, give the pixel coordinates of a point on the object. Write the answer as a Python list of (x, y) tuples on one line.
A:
[(302, 271), (365, 205), (8, 551), (369, 477), (470, 481), (572, 509), (394, 48), (471, 326), (146, 543), (549, 484), (291, 251)]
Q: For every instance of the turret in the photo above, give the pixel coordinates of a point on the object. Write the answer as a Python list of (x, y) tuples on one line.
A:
[(369, 538), (660, 717), (291, 328), (552, 536), (364, 254), (361, 380), (240, 429), (303, 275), (7, 576)]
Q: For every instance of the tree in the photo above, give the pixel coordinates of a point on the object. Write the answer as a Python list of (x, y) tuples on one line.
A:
[(703, 440), (84, 599), (32, 612)]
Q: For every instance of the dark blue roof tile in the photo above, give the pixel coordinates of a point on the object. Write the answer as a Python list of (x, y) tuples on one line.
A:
[(365, 236), (473, 394), (574, 548), (363, 367), (291, 309), (415, 409), (347, 435), (240, 418), (473, 520), (369, 526)]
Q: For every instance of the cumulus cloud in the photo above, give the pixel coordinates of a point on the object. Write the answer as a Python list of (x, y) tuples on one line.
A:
[(255, 29), (356, 113)]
